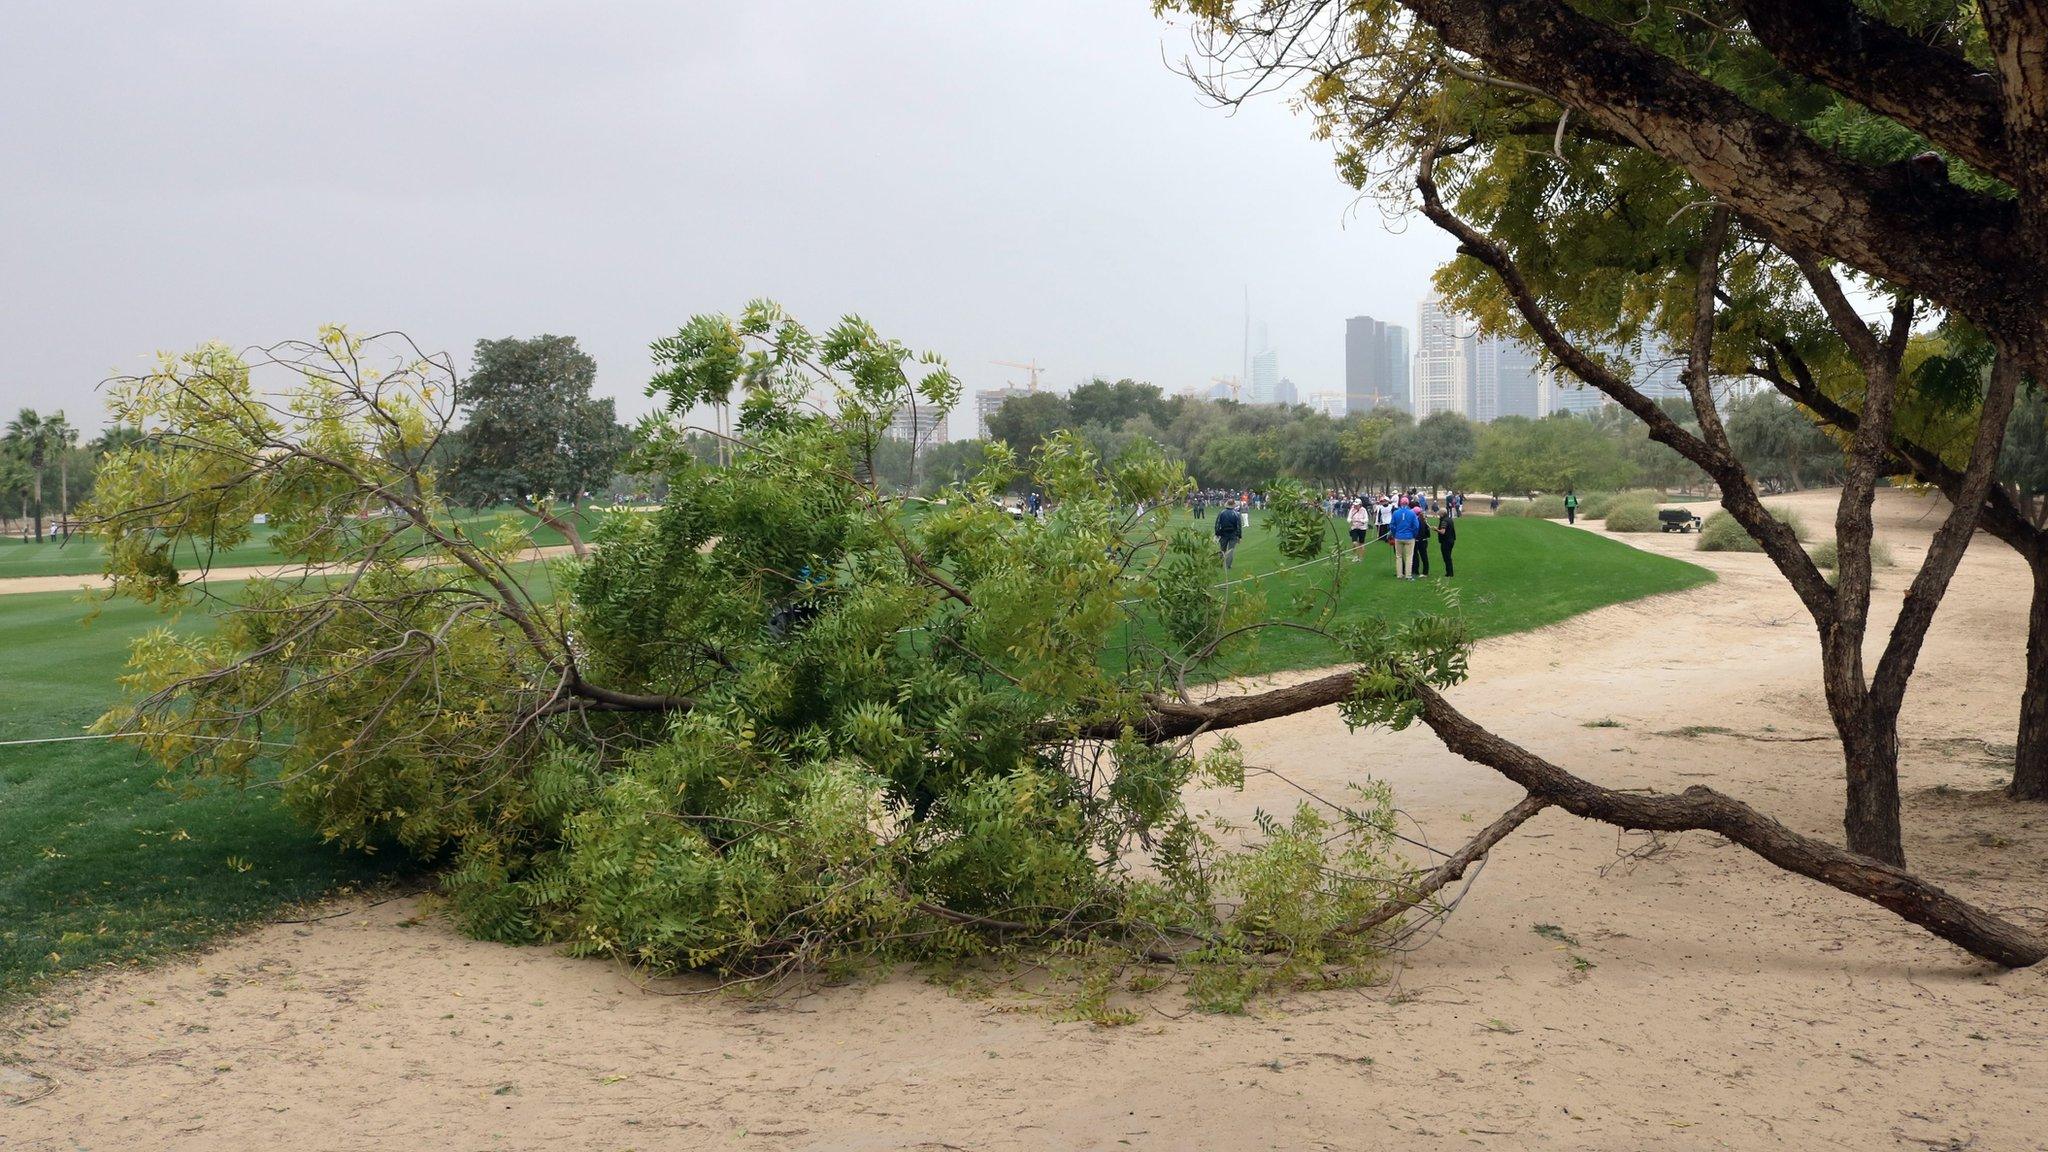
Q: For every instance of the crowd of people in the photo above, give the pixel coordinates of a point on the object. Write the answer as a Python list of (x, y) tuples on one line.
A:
[(1407, 522), (1403, 521)]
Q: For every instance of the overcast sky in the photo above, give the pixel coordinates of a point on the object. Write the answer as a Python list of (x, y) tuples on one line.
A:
[(991, 181)]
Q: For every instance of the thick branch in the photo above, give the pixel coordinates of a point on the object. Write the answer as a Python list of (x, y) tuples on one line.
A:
[(1954, 246), (1936, 93), (1698, 808), (1172, 719)]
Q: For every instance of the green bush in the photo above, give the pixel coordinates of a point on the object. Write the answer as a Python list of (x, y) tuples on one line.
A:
[(1722, 534), (1633, 514), (1546, 508), (1594, 505), (1825, 554)]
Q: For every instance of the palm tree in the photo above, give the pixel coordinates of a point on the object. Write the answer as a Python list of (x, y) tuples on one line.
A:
[(29, 434), (62, 438)]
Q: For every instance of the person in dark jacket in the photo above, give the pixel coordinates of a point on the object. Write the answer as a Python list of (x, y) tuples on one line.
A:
[(1422, 535), (1446, 539), (1229, 530)]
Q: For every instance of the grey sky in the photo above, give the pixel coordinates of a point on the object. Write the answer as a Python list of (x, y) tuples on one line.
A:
[(992, 181)]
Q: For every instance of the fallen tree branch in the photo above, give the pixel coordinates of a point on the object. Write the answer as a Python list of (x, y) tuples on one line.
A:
[(1454, 867), (1699, 808)]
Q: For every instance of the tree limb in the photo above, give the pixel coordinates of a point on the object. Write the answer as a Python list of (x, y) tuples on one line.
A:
[(1699, 808)]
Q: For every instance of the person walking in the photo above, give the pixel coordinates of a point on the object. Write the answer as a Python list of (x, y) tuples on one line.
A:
[(1229, 530), (1402, 527), (1422, 534), (1446, 539), (1571, 507), (1360, 519)]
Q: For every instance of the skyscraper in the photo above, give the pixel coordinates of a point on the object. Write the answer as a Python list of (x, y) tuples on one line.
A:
[(1518, 379), (1264, 386), (1375, 364), (1443, 361)]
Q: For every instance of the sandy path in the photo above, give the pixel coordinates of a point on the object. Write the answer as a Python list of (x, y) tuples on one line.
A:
[(1730, 1006), (15, 585)]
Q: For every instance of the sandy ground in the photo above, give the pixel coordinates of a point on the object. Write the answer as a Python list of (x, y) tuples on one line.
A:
[(1729, 1006), (79, 583)]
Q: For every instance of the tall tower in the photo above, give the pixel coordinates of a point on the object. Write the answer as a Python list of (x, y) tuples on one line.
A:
[(1265, 382), (1443, 361), (1375, 364)]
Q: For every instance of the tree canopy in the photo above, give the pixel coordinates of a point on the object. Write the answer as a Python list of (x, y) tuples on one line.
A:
[(533, 434)]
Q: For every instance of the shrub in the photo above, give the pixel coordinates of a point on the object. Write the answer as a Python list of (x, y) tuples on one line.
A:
[(1722, 534), (1632, 514), (1594, 505), (1546, 508), (1825, 554)]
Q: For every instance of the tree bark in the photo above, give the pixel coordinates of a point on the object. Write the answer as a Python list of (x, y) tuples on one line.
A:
[(1870, 812), (1955, 247), (1698, 808), (566, 527), (2030, 758)]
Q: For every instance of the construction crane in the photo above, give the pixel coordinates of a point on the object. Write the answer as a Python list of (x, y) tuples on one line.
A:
[(1235, 385), (1032, 368)]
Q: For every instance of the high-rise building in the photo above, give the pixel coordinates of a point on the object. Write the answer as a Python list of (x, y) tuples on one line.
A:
[(1286, 394), (1442, 380), (1482, 360), (1264, 386), (920, 424), (1515, 380), (990, 401), (1375, 364)]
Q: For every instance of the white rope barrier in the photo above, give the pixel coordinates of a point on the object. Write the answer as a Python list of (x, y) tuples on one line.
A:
[(120, 735)]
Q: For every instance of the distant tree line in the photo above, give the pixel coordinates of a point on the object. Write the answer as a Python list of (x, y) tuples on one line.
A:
[(1225, 444)]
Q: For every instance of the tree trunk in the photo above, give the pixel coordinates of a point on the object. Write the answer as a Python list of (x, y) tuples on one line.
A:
[(566, 527), (2030, 759), (39, 505), (1870, 818)]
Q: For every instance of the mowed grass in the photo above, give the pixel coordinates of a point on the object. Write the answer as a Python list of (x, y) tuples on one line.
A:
[(99, 861), (1513, 575), (81, 555)]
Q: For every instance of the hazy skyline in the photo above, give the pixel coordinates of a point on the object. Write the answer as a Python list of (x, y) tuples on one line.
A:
[(991, 182)]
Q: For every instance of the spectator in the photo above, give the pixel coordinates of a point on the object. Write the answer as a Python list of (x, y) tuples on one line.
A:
[(1229, 530), (1360, 518), (1403, 524)]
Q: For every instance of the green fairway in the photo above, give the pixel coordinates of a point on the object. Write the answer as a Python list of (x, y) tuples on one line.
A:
[(99, 862), (80, 555), (1513, 575)]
